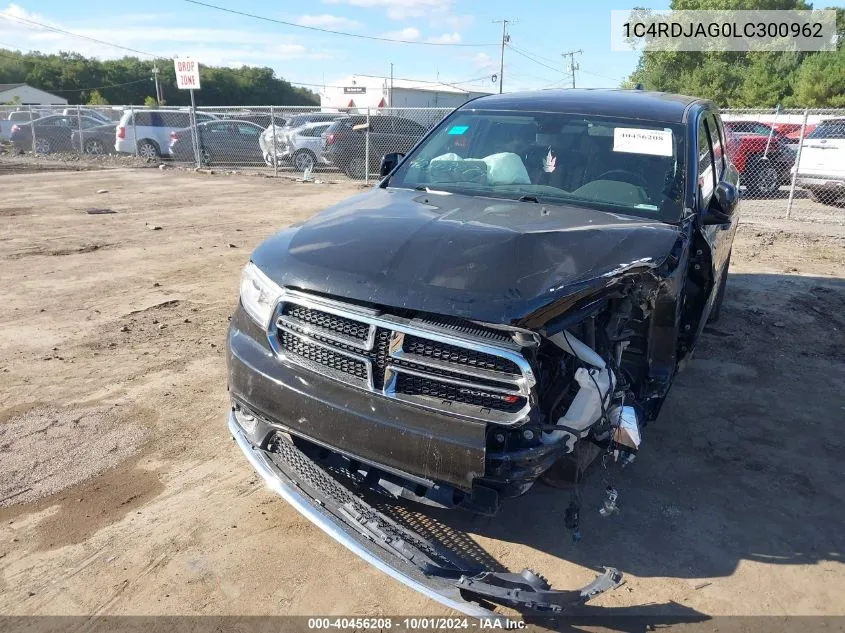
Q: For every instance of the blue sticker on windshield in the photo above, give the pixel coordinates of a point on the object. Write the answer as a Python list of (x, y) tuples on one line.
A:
[(458, 129)]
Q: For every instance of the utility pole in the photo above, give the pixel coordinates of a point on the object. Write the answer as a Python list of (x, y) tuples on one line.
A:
[(505, 39), (390, 94), (158, 88), (572, 65)]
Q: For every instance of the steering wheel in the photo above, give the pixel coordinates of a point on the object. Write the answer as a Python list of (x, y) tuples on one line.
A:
[(628, 176)]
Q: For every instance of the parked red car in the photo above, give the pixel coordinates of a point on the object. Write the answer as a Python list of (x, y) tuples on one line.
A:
[(764, 163)]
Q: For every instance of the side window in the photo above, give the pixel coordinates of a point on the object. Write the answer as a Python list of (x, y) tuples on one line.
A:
[(381, 125), (706, 174), (835, 129), (248, 130), (716, 137), (409, 128), (142, 118)]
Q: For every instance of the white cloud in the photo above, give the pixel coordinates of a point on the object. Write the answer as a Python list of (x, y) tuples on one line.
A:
[(483, 61), (212, 46), (400, 9), (409, 34), (446, 38), (327, 21)]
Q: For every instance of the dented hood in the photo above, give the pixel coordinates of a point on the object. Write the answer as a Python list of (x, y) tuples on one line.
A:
[(479, 258)]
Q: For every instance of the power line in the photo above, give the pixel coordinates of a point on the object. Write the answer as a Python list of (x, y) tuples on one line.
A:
[(617, 79), (536, 61), (327, 31), (427, 81), (551, 61), (84, 37)]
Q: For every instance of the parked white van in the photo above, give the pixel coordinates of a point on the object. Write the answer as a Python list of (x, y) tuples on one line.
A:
[(150, 130)]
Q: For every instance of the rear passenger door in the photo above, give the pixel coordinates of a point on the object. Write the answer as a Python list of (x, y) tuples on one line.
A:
[(246, 141), (383, 137)]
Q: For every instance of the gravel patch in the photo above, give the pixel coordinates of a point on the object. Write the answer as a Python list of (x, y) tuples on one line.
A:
[(45, 450)]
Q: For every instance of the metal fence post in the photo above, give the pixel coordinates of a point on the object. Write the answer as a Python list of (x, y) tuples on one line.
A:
[(134, 132), (367, 150), (275, 154), (797, 163), (32, 127), (195, 133), (79, 127)]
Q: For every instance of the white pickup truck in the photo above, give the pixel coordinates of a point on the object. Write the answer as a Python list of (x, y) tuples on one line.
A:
[(821, 168)]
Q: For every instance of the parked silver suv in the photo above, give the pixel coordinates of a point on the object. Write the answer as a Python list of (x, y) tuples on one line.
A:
[(149, 130)]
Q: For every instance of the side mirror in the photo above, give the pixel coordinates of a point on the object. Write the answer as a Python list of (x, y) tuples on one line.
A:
[(389, 162), (722, 204)]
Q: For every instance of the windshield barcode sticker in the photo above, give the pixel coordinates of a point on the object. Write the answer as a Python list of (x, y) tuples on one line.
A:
[(632, 140)]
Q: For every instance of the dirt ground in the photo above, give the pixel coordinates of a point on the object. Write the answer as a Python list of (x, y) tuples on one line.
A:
[(121, 491)]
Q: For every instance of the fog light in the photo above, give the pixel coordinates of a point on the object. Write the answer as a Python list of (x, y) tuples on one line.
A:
[(528, 434), (246, 421)]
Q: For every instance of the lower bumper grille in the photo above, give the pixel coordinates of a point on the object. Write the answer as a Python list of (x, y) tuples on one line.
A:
[(409, 360)]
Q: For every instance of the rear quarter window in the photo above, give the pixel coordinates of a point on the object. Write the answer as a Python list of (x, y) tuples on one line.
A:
[(172, 119), (829, 129)]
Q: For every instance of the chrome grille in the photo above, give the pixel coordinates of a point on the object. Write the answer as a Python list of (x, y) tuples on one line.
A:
[(466, 372)]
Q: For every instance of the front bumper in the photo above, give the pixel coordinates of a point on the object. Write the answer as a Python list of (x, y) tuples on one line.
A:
[(404, 555), (443, 591), (820, 181)]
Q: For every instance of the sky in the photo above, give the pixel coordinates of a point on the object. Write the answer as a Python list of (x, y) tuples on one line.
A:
[(540, 31)]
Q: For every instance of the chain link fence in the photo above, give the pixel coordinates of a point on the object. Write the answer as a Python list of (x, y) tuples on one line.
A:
[(791, 162)]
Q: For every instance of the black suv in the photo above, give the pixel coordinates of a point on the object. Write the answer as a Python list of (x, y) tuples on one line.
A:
[(345, 141), (515, 294)]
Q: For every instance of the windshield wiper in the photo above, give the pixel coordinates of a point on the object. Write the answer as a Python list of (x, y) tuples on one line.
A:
[(428, 189), (529, 198)]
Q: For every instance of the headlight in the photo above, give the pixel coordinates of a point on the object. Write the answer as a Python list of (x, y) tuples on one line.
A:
[(259, 294)]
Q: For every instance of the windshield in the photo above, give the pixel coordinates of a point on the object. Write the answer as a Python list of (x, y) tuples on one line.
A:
[(829, 129), (612, 164)]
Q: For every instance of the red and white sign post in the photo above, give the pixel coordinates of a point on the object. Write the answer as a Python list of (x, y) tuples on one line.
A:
[(188, 78)]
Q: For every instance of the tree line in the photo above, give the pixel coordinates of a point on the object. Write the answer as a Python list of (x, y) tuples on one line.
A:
[(749, 80), (129, 81)]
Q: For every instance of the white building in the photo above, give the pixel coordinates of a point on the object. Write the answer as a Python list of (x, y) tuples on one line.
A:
[(28, 95), (365, 91)]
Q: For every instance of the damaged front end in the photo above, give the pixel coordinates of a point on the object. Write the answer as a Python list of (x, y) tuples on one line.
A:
[(405, 556), (333, 401)]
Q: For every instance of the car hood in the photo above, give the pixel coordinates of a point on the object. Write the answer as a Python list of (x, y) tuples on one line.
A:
[(484, 259)]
